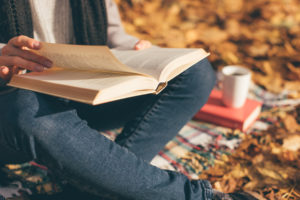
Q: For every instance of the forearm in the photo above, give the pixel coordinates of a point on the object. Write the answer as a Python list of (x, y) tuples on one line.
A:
[(121, 40), (117, 37)]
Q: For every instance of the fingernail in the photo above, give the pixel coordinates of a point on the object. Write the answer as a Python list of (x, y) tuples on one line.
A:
[(139, 46), (4, 70), (39, 69), (48, 64), (36, 44)]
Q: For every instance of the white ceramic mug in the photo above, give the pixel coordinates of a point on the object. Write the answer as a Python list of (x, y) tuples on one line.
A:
[(236, 82)]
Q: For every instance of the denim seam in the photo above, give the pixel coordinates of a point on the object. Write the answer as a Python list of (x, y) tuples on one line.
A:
[(151, 109)]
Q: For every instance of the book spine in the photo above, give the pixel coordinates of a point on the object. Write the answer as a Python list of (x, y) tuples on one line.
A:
[(218, 120)]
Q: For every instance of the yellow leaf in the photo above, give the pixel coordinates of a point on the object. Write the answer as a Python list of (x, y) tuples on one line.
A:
[(292, 142)]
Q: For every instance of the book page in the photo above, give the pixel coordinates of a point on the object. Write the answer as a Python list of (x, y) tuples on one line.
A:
[(83, 79), (83, 57), (160, 62), (85, 86)]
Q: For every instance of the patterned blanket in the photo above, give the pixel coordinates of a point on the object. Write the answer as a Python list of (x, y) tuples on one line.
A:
[(193, 150)]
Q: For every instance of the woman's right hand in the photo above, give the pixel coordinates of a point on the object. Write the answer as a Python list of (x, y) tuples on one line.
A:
[(16, 56)]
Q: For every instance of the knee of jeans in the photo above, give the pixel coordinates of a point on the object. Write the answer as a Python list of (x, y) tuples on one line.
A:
[(12, 121), (24, 114), (200, 79), (25, 108)]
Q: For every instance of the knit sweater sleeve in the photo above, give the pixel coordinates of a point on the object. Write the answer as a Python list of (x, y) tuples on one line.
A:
[(117, 37)]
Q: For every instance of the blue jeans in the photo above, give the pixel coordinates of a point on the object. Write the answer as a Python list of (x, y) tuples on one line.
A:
[(63, 135)]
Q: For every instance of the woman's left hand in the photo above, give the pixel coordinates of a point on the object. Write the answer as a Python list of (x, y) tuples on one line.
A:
[(142, 44)]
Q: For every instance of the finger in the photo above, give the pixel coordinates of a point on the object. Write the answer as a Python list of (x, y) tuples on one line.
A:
[(148, 44), (4, 70), (142, 44), (4, 73), (16, 70), (139, 45), (7, 72), (22, 40), (28, 55), (21, 62)]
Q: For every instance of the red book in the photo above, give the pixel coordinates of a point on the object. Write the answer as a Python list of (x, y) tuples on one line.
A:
[(214, 111)]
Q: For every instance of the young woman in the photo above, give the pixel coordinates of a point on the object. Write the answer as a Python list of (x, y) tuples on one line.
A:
[(63, 134)]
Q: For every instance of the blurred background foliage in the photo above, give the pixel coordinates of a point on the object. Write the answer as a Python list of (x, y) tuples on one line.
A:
[(263, 35)]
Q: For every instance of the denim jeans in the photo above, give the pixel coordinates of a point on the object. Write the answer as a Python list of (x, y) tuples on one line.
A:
[(63, 135)]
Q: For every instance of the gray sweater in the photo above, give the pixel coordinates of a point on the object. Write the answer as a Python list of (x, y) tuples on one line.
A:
[(52, 22)]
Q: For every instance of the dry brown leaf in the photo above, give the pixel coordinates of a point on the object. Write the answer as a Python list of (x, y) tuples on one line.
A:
[(290, 124), (258, 159), (294, 71), (267, 68), (292, 142), (233, 6), (262, 35), (296, 43), (258, 50), (191, 36), (233, 28), (213, 35)]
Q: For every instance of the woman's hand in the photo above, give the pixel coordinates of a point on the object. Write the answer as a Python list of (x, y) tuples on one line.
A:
[(142, 44), (15, 57)]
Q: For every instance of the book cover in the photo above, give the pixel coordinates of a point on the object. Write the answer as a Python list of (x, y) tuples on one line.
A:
[(214, 111)]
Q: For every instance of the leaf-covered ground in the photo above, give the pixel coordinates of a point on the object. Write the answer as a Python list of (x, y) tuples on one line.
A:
[(263, 35), (266, 161)]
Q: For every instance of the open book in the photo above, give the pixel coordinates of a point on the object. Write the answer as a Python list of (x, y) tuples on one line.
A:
[(96, 74)]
